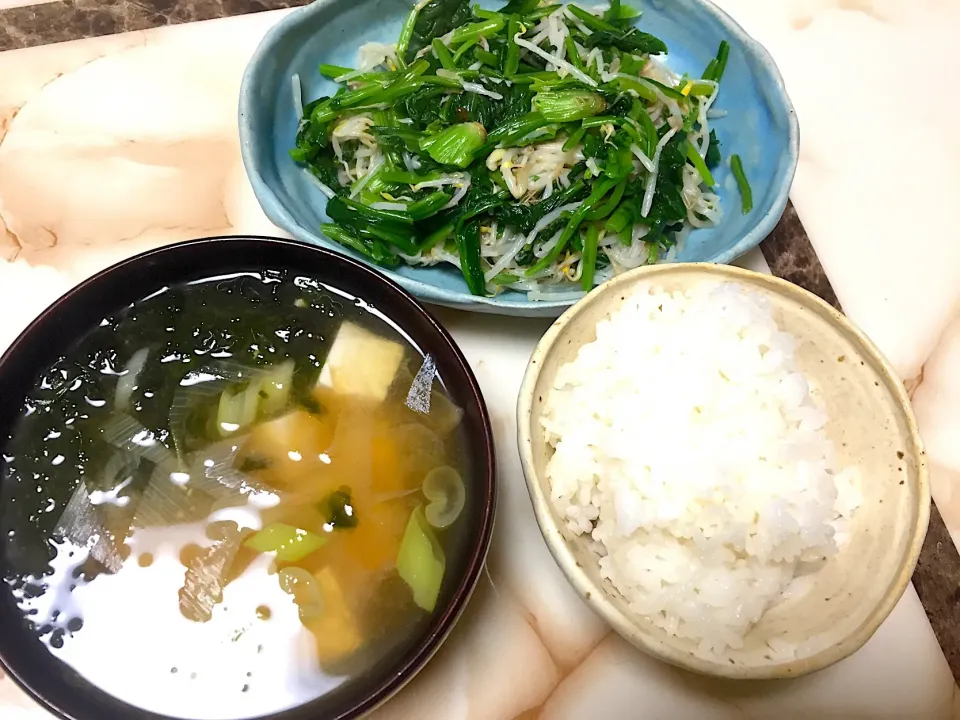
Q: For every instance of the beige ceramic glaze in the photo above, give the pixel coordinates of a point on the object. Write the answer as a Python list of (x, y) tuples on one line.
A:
[(871, 425)]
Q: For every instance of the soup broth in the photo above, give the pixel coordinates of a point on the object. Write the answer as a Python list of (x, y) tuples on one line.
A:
[(234, 496)]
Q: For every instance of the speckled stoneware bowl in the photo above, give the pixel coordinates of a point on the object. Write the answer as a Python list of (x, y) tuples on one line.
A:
[(872, 426), (761, 127)]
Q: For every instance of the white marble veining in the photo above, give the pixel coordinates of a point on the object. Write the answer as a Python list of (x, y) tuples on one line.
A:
[(118, 144), (937, 404), (875, 182)]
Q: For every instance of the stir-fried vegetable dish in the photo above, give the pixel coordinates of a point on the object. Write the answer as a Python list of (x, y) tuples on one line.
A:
[(542, 148)]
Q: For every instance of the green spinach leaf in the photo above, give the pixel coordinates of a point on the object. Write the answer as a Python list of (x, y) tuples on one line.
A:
[(435, 19), (631, 41)]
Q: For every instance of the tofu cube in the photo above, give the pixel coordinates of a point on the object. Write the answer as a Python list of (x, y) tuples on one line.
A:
[(361, 364)]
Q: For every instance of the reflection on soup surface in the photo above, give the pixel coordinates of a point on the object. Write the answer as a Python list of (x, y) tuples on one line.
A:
[(234, 496)]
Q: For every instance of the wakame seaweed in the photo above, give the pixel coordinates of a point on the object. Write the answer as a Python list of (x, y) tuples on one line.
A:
[(338, 509)]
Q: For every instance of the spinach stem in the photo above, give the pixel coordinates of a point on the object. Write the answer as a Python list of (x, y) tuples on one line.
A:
[(746, 194), (699, 165), (588, 259)]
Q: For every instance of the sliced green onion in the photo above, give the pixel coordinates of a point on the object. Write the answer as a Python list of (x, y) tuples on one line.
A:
[(443, 487), (238, 408), (291, 544), (275, 387), (305, 589), (746, 194), (420, 562)]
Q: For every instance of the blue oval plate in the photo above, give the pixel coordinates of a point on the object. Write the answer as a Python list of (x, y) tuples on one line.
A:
[(761, 127)]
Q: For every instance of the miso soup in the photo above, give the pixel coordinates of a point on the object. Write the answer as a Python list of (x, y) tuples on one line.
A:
[(235, 496)]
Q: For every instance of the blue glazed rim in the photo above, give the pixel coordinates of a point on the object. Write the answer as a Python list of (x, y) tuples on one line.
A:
[(517, 303)]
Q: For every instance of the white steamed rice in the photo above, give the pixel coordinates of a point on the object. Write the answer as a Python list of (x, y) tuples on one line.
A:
[(692, 450)]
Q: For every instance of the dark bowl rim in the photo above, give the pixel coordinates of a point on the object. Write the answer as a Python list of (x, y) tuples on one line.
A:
[(424, 649)]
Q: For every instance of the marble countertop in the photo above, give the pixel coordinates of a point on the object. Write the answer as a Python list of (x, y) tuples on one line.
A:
[(124, 141)]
